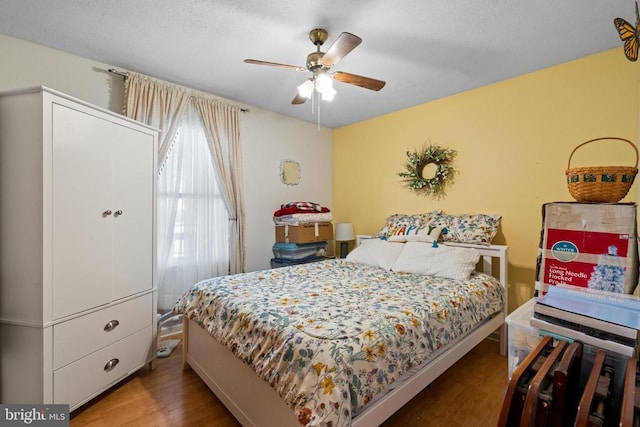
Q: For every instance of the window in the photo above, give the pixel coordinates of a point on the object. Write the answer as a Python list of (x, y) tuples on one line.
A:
[(193, 224)]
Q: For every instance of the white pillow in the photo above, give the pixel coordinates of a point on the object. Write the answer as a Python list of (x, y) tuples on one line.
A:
[(376, 252), (441, 261), (426, 233)]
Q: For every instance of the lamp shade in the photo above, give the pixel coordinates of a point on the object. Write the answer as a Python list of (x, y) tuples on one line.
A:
[(306, 88), (324, 83), (329, 94), (344, 232)]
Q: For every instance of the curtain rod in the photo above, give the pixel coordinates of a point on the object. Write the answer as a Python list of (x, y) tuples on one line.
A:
[(125, 75), (120, 73)]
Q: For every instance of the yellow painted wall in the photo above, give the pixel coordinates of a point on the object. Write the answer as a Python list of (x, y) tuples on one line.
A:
[(513, 140)]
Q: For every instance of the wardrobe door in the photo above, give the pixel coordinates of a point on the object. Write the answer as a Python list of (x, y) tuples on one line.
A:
[(82, 211), (133, 198)]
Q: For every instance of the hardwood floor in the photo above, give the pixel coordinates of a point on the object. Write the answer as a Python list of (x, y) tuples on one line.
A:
[(468, 394)]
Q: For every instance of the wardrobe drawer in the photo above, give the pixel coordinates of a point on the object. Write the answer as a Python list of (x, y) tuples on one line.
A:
[(85, 378), (78, 337)]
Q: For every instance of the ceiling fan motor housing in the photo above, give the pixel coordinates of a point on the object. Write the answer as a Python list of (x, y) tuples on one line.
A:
[(314, 60), (318, 36)]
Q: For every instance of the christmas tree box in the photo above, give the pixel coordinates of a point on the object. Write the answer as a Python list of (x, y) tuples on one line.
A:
[(588, 245)]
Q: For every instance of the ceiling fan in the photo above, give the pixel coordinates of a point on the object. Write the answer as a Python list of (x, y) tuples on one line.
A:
[(319, 63)]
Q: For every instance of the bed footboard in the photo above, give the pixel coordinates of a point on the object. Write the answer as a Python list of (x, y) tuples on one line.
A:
[(249, 398), (246, 395)]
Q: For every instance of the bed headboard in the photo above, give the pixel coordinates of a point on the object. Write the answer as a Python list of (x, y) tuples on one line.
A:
[(488, 254)]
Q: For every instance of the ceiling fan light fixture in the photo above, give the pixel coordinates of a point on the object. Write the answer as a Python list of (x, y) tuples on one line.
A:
[(306, 89), (324, 83), (328, 94)]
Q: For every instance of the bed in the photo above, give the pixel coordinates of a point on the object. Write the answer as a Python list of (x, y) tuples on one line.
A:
[(337, 342)]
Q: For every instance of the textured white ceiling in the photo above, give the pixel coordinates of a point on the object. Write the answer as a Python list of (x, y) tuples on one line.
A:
[(423, 49)]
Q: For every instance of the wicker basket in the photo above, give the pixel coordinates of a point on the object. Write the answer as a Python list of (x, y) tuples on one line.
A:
[(601, 184)]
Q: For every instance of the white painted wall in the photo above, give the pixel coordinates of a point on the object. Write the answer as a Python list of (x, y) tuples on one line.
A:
[(267, 137)]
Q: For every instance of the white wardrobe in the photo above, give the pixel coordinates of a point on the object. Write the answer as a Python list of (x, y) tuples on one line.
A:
[(77, 248)]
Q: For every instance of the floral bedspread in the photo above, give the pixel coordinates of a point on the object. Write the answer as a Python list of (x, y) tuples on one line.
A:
[(330, 336)]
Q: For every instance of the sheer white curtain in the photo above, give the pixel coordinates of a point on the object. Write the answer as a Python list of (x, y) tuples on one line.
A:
[(199, 227), (192, 213)]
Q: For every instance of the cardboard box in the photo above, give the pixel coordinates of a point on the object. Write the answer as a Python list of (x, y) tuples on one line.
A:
[(589, 245), (305, 233)]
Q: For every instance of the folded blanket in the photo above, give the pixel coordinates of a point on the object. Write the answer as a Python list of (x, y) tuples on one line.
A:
[(305, 206), (303, 218), (295, 210)]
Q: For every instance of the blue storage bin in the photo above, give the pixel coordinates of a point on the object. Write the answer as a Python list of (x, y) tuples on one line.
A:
[(279, 262), (297, 251)]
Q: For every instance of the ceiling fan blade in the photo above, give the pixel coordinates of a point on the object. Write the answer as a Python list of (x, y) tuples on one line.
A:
[(354, 79), (344, 44), (299, 99), (275, 64)]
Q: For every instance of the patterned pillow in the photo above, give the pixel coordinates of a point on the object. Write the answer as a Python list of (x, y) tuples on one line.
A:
[(398, 221), (478, 228), (424, 233)]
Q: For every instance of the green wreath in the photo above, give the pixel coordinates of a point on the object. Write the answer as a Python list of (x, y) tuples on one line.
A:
[(417, 160)]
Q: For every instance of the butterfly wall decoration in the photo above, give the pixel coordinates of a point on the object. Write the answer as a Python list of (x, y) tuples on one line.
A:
[(629, 34)]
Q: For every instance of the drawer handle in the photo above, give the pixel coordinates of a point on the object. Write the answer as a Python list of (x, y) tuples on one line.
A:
[(111, 325), (117, 213), (111, 364)]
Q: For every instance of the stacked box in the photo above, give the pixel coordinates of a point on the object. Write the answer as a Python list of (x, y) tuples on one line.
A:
[(297, 253), (304, 233), (588, 245), (280, 262)]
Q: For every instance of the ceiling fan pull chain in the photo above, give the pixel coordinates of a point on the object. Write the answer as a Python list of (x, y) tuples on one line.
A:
[(318, 98)]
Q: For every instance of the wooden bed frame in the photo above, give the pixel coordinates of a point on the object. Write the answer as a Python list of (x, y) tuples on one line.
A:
[(254, 403)]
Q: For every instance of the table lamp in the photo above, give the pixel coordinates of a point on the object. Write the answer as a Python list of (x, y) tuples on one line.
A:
[(344, 234)]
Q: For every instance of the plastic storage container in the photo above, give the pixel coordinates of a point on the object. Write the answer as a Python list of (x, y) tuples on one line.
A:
[(279, 262), (299, 251), (522, 336)]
